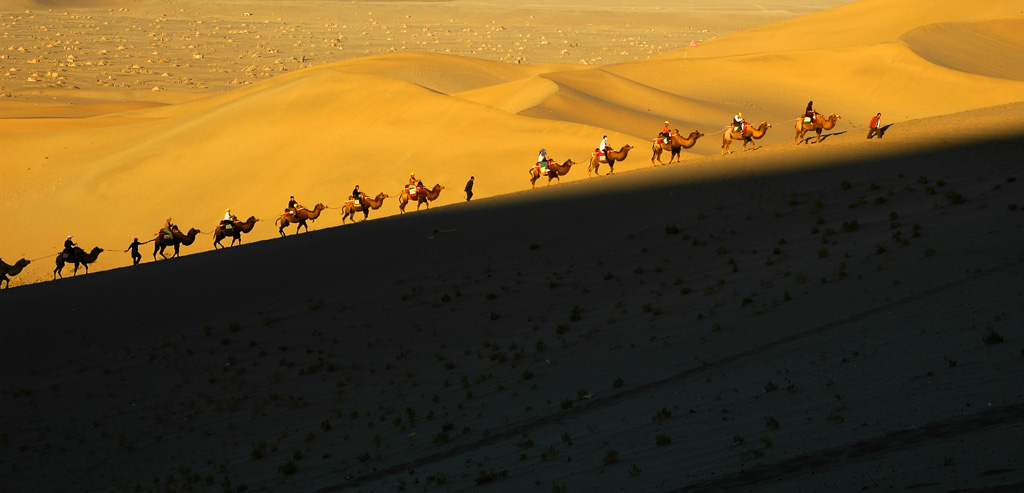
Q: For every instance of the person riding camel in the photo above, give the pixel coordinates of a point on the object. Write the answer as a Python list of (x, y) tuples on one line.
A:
[(665, 133), (229, 219), (543, 160), (809, 113), (69, 248), (602, 148), (357, 196), (737, 123), (166, 229), (292, 205), (411, 187)]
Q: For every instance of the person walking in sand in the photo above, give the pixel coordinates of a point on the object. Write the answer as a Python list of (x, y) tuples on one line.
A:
[(134, 247), (469, 188), (875, 127)]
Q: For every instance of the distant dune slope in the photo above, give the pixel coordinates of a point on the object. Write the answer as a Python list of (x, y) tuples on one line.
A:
[(991, 48)]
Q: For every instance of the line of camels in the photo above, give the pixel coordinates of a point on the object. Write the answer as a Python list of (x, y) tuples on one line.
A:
[(175, 238), (676, 143), (301, 215)]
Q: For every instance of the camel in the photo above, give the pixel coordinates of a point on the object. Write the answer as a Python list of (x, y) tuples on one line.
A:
[(554, 172), (818, 125), (177, 239), (748, 136), (300, 216), (349, 210), (425, 197), (12, 270), (235, 232), (611, 156), (78, 256), (676, 144)]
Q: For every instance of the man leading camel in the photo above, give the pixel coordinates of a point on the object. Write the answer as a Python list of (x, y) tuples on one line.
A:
[(874, 128)]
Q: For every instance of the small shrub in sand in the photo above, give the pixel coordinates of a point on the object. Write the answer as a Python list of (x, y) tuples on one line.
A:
[(992, 337), (610, 458)]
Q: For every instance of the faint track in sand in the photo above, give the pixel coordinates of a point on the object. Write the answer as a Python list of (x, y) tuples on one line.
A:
[(890, 441)]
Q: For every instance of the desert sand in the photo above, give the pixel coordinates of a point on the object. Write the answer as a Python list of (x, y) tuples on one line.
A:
[(838, 315)]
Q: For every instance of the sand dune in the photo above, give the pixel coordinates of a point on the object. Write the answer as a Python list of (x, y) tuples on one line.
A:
[(841, 315), (317, 132), (970, 47)]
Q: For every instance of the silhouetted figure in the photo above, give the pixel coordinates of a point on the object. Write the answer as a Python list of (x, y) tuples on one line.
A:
[(469, 188), (136, 256)]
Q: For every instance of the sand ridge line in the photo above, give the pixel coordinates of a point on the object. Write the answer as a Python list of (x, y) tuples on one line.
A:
[(1015, 411), (888, 442)]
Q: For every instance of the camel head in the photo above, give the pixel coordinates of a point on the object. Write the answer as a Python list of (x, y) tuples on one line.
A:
[(193, 232), (697, 134), (95, 251), (254, 219), (319, 207), (625, 148)]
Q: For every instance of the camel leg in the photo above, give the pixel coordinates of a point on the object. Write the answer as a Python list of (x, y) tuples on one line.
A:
[(75, 272), (7, 280)]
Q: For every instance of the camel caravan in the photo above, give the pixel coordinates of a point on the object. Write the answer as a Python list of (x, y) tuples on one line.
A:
[(671, 141)]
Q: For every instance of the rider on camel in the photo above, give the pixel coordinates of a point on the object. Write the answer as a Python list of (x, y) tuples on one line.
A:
[(543, 160), (69, 248), (292, 205), (168, 226), (356, 196), (665, 133), (229, 219), (737, 123), (809, 112), (602, 147), (412, 186)]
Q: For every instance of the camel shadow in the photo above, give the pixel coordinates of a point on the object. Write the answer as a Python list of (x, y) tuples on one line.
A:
[(825, 136)]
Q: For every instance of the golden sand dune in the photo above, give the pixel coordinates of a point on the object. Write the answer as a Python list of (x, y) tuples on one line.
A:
[(860, 23), (836, 316), (973, 47), (318, 131)]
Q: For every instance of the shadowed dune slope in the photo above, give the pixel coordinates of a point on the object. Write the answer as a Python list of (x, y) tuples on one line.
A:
[(846, 302)]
